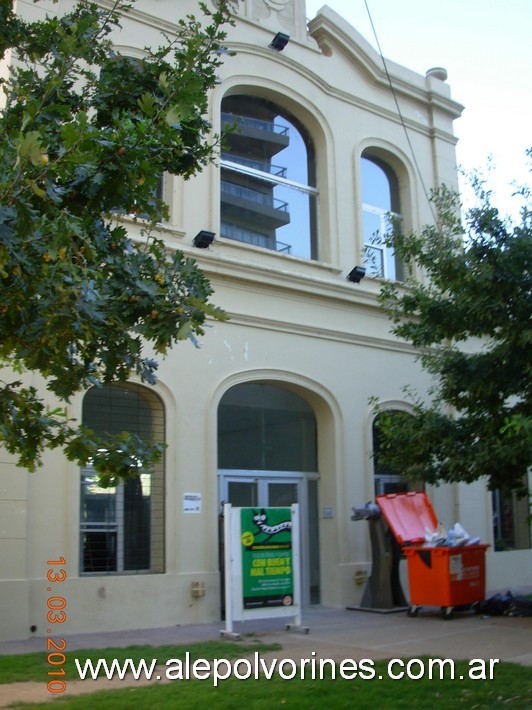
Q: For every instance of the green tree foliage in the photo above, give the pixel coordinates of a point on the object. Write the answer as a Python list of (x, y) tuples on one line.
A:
[(470, 320), (85, 136)]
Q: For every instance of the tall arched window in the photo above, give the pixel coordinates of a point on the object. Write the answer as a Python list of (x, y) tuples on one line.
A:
[(388, 480), (123, 76), (381, 214), (268, 179), (122, 528)]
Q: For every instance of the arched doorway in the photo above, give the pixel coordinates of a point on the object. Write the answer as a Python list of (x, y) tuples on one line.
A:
[(267, 456)]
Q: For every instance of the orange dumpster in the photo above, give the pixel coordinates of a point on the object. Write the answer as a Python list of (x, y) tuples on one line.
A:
[(443, 576)]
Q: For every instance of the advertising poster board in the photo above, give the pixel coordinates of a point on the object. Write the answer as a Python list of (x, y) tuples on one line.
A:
[(267, 564), (262, 564)]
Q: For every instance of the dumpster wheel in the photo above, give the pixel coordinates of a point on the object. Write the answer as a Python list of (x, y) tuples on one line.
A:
[(413, 610), (447, 612)]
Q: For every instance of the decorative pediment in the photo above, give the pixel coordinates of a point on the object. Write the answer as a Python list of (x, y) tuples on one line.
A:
[(277, 4), (288, 16), (333, 35)]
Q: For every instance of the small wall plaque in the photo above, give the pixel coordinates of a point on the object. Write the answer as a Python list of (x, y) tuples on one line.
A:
[(191, 502)]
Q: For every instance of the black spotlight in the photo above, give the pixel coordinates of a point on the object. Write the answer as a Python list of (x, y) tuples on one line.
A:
[(203, 239), (357, 274), (279, 42)]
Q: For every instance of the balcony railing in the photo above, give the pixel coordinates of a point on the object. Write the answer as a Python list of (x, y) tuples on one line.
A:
[(262, 165), (254, 196), (262, 125), (231, 231)]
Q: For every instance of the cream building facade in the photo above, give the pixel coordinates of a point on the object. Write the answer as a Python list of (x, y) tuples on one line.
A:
[(275, 405)]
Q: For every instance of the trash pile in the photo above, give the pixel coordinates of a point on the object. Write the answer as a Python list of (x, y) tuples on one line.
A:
[(456, 537), (505, 604)]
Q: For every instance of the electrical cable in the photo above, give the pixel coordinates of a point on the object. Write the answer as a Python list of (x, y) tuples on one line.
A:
[(399, 112)]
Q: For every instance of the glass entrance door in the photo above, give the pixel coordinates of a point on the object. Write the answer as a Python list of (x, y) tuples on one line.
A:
[(246, 492), (281, 493), (241, 493)]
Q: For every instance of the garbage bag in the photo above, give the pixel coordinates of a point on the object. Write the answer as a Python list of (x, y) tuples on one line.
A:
[(460, 535), (433, 538), (506, 604), (520, 606), (497, 605), (457, 537)]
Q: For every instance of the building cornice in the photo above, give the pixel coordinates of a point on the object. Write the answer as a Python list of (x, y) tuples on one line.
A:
[(142, 17), (320, 333), (244, 265), (311, 284)]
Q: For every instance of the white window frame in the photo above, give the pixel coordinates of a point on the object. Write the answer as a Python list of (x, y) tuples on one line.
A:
[(116, 526), (386, 220), (268, 177)]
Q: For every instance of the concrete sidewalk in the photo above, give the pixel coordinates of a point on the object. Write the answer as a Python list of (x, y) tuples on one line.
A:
[(342, 631), (334, 633)]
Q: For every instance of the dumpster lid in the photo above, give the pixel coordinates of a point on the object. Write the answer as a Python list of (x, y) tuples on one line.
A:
[(408, 514)]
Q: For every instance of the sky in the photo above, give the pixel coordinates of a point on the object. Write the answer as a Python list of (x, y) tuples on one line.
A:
[(486, 48)]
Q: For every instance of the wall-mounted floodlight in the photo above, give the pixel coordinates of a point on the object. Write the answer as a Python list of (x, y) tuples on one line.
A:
[(357, 274), (203, 239), (279, 42)]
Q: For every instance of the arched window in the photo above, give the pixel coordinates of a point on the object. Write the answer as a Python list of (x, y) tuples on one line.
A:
[(388, 480), (121, 86), (268, 178), (381, 214), (122, 528)]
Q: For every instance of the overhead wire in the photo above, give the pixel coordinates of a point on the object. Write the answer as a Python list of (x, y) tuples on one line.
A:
[(400, 114)]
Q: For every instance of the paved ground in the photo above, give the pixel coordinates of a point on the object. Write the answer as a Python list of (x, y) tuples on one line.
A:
[(334, 633)]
